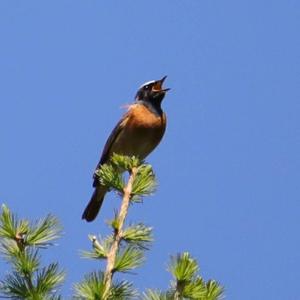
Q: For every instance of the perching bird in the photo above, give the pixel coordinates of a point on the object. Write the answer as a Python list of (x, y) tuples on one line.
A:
[(138, 133)]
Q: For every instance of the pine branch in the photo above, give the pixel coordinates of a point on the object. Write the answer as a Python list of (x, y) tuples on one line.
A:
[(20, 242), (123, 250), (112, 255)]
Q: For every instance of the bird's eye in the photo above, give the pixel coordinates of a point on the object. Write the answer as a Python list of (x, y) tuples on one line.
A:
[(146, 87)]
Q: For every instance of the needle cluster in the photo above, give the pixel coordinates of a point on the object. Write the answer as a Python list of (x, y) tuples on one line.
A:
[(20, 245)]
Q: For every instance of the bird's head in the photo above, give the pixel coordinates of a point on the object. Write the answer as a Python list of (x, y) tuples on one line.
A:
[(152, 92)]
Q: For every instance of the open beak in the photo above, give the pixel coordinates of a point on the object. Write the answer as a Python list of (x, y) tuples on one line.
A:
[(158, 85)]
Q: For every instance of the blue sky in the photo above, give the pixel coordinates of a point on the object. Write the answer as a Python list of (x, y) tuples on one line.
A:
[(229, 165)]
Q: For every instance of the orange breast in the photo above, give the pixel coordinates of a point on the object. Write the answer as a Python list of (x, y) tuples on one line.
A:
[(142, 132)]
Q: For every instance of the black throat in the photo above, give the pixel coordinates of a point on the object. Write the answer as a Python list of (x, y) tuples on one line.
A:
[(154, 107)]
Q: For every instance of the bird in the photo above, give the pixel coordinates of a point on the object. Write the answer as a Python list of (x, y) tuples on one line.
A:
[(137, 134)]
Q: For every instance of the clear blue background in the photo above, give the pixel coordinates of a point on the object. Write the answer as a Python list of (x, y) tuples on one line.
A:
[(228, 167)]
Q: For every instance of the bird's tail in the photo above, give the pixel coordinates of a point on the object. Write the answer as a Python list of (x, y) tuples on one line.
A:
[(92, 209)]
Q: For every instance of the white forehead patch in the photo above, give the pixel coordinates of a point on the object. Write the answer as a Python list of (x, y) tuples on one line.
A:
[(147, 83)]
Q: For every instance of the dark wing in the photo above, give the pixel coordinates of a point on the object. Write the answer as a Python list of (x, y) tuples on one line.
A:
[(109, 143)]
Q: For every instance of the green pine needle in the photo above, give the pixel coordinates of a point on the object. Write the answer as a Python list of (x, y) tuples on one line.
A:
[(183, 267), (92, 288), (195, 289), (214, 290), (189, 285), (9, 249), (49, 278), (125, 163), (25, 234), (43, 232), (122, 290), (128, 259), (156, 295), (110, 177), (115, 222), (138, 234), (144, 183), (27, 261), (10, 227), (14, 286)]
